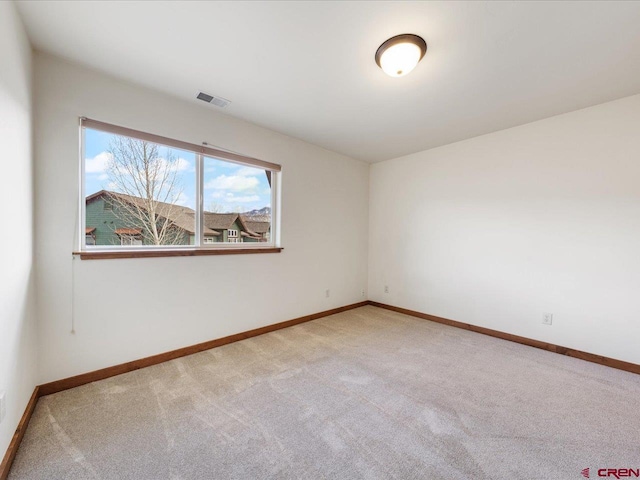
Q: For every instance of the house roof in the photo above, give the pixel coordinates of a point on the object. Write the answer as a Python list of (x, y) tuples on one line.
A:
[(181, 217), (128, 231), (250, 235), (222, 221), (257, 226), (184, 217), (89, 230)]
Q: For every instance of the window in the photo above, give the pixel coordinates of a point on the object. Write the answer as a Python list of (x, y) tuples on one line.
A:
[(145, 192), (130, 240), (234, 197), (90, 236)]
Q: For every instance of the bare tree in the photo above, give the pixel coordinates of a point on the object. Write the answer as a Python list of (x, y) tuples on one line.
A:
[(214, 207), (146, 187)]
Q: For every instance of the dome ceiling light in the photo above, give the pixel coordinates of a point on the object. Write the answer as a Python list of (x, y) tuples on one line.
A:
[(400, 54)]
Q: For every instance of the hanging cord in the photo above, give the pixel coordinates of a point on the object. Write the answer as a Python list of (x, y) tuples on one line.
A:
[(73, 279), (73, 283)]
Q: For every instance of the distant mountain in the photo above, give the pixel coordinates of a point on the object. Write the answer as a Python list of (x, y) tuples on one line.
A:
[(263, 213)]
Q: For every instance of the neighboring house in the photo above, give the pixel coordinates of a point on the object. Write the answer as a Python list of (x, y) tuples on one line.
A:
[(110, 221), (234, 228)]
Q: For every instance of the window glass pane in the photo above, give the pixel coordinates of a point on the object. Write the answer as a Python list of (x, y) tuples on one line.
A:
[(137, 192), (237, 202)]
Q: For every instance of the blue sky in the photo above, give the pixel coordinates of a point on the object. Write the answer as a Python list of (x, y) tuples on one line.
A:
[(227, 187)]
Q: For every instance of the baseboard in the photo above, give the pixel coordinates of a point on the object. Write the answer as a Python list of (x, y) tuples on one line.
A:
[(589, 357), (10, 454), (78, 380)]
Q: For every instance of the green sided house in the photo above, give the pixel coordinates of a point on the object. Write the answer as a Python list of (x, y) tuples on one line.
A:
[(118, 219)]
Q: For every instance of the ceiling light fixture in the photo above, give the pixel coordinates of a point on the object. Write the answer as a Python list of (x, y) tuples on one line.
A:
[(400, 54)]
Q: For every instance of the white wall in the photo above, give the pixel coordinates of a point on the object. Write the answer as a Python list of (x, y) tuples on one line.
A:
[(18, 347), (132, 308), (498, 229)]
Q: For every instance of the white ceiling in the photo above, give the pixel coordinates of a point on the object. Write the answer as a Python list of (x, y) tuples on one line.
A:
[(307, 68)]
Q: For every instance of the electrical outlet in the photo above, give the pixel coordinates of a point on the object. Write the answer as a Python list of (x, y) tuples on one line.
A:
[(386, 289), (362, 293), (3, 407), (327, 293), (547, 318)]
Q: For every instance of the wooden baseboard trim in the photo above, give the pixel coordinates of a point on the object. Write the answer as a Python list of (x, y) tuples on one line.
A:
[(67, 383), (78, 380), (589, 357), (10, 454), (82, 379)]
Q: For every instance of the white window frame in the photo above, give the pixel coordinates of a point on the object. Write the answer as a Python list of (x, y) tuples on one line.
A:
[(232, 233), (201, 151)]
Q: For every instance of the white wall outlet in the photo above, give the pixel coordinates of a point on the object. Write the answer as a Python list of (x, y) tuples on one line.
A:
[(547, 318), (386, 289), (362, 293), (3, 406), (327, 293)]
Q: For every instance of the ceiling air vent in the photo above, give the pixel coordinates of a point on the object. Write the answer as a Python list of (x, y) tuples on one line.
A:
[(217, 101)]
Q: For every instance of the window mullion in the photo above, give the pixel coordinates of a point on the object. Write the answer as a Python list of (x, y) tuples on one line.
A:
[(199, 240), (274, 231)]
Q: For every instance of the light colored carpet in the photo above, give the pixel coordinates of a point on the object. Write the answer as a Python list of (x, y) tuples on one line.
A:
[(363, 394)]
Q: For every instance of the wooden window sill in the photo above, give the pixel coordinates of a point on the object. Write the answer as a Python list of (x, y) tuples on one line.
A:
[(187, 252)]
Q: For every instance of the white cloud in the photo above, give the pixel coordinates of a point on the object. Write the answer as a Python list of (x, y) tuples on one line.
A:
[(182, 200), (231, 198), (234, 183), (97, 164), (164, 168), (179, 165), (101, 162), (249, 172)]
